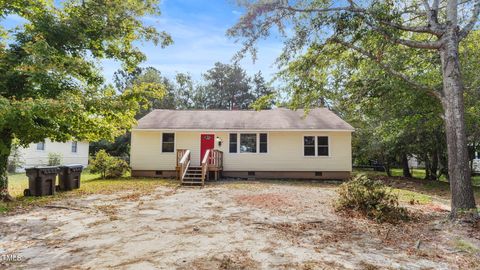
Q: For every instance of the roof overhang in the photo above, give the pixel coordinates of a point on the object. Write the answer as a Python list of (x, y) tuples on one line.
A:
[(247, 130)]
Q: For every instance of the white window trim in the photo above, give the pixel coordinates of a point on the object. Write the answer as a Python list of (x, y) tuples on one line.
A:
[(268, 142), (71, 146), (256, 142), (229, 142), (316, 146), (257, 134), (41, 150), (174, 143)]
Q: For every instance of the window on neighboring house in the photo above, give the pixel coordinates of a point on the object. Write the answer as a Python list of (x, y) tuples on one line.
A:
[(74, 147), (248, 143), (168, 142), (322, 146), (309, 146), (233, 143), (41, 146), (263, 142)]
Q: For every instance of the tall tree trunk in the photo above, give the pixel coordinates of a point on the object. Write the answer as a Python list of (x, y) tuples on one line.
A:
[(5, 148), (386, 166), (427, 167), (453, 105), (406, 168), (434, 166)]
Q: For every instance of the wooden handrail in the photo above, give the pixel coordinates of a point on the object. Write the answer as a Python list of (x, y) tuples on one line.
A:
[(212, 160), (205, 163), (183, 164), (180, 154), (215, 158)]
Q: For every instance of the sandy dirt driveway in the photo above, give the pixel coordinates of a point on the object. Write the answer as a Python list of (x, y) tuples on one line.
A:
[(227, 226)]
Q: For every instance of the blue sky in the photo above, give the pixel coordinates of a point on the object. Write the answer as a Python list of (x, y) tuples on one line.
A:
[(198, 29)]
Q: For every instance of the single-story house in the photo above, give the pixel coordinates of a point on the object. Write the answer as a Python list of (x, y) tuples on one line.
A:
[(37, 154), (276, 144)]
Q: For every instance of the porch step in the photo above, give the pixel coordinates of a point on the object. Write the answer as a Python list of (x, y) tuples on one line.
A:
[(192, 181), (193, 176), (199, 176)]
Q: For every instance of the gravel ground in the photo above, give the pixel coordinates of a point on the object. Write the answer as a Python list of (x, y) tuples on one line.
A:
[(230, 225)]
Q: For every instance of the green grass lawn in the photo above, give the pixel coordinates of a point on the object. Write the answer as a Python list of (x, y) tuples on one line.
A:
[(416, 173), (407, 196), (90, 184), (420, 189)]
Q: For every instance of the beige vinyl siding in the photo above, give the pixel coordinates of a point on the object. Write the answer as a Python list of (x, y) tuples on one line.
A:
[(285, 151), (146, 150)]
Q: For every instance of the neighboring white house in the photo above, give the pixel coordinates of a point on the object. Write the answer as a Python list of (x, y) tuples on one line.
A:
[(278, 143), (476, 162), (413, 162), (36, 154)]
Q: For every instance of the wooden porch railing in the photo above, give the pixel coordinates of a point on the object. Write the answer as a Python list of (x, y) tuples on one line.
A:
[(212, 161), (180, 153), (205, 165), (215, 162), (183, 163), (215, 159)]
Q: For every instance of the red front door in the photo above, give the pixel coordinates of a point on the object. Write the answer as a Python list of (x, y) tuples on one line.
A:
[(207, 141)]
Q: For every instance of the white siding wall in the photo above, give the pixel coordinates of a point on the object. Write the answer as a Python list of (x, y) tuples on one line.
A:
[(285, 152), (32, 157)]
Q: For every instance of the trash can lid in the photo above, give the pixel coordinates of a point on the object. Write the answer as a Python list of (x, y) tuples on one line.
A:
[(41, 167), (47, 169), (30, 169), (72, 166)]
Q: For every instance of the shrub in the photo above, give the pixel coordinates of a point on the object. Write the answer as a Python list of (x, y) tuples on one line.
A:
[(108, 166), (54, 159), (371, 199), (99, 163), (117, 167)]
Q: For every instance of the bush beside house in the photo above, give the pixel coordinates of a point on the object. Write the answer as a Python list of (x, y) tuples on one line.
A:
[(370, 198), (108, 166)]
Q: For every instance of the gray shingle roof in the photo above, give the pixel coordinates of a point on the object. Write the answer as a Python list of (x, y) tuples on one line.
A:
[(275, 119)]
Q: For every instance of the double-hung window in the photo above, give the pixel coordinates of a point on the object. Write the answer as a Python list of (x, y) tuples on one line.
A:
[(168, 142), (248, 143), (41, 146), (309, 146), (233, 144), (315, 146), (74, 147), (263, 142), (322, 146)]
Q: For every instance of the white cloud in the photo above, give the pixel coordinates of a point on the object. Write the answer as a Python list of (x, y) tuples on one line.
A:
[(236, 13), (199, 41)]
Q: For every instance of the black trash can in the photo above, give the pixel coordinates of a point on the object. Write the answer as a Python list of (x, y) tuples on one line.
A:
[(41, 181), (69, 177)]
